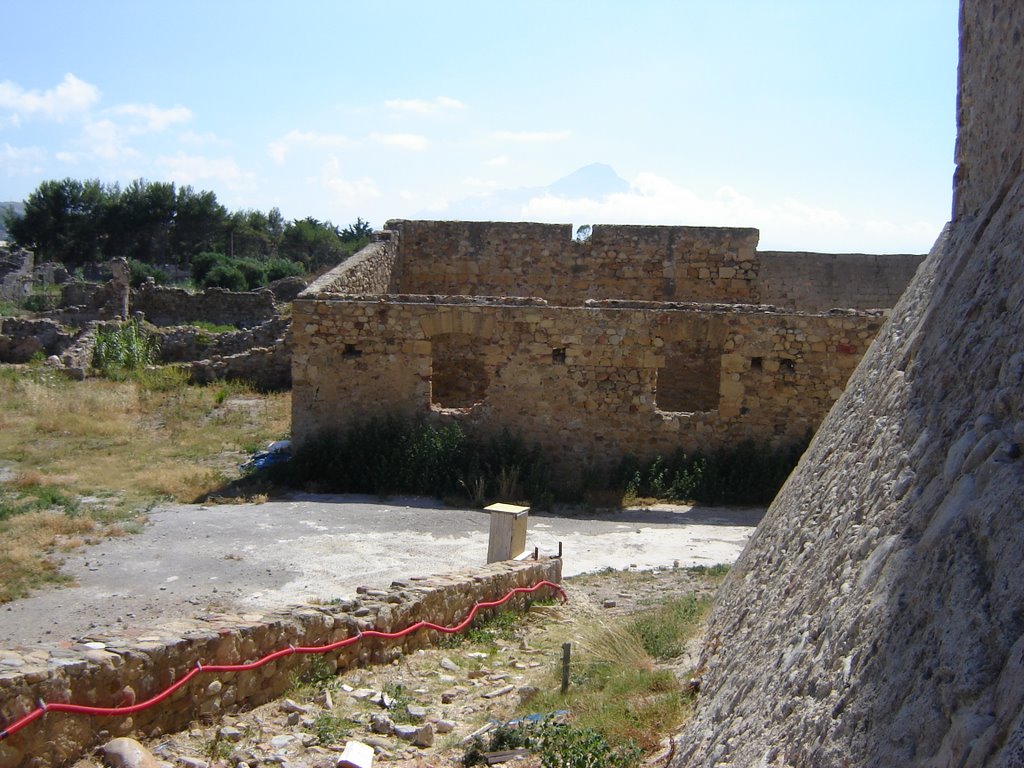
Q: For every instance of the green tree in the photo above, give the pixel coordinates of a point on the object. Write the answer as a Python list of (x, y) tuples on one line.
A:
[(314, 243), (199, 224), (250, 235), (358, 231), (64, 221), (140, 220)]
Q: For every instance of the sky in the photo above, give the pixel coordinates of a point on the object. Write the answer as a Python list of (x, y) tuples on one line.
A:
[(827, 124)]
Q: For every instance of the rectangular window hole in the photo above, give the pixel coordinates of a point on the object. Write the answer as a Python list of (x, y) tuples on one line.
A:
[(351, 350), (787, 366), (558, 355), (756, 363)]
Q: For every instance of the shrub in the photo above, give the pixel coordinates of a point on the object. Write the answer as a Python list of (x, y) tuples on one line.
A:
[(140, 272), (225, 276), (559, 746), (255, 272), (202, 263), (281, 268), (747, 473)]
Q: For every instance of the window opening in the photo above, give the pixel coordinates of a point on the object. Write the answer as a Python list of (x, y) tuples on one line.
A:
[(690, 380), (458, 375)]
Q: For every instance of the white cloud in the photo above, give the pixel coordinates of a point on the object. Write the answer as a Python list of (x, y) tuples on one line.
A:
[(295, 139), (345, 192), (423, 106), (787, 224), (106, 139), (498, 162), (202, 139), (16, 161), (69, 97), (193, 169), (412, 141), (153, 119), (531, 137)]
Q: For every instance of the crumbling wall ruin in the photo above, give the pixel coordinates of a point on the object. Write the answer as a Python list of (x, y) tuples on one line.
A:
[(128, 665), (876, 616), (638, 340)]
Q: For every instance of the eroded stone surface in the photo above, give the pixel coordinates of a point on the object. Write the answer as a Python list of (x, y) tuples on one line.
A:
[(875, 617)]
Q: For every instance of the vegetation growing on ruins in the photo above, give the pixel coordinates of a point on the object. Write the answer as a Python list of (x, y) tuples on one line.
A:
[(87, 459), (157, 224), (122, 349), (747, 473), (388, 456)]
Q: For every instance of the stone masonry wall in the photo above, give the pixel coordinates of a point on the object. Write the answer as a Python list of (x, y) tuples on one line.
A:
[(617, 262), (816, 282), (990, 114), (116, 670), (172, 306), (369, 271), (16, 268), (580, 381)]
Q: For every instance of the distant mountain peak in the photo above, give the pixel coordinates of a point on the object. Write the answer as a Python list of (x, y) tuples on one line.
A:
[(594, 181)]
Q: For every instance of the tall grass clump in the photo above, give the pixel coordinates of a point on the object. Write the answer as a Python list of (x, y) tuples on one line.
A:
[(747, 473), (123, 348), (388, 455)]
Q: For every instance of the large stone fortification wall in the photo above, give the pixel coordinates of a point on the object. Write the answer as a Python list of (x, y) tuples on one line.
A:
[(990, 112), (875, 618), (589, 384), (130, 666), (816, 282)]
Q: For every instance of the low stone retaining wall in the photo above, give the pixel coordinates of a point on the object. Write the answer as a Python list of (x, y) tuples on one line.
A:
[(108, 671)]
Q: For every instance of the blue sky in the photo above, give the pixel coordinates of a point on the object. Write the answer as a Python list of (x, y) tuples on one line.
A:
[(827, 124)]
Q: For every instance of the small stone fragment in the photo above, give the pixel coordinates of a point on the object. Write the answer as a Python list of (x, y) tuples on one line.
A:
[(291, 706), (128, 753), (230, 733), (381, 724), (499, 692)]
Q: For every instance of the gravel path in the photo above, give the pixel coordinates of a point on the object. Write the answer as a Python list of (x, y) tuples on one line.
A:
[(190, 559)]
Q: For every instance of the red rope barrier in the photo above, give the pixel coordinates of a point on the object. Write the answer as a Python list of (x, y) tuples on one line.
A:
[(79, 709)]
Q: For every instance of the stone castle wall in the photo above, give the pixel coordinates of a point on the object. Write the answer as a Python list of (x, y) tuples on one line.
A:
[(875, 617), (592, 349), (582, 382), (462, 258), (816, 282), (990, 114)]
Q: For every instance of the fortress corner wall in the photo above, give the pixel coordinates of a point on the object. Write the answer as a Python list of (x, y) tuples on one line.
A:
[(875, 617)]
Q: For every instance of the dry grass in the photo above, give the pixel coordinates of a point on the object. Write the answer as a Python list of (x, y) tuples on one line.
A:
[(126, 445)]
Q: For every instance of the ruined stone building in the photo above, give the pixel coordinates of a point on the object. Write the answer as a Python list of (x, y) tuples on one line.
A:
[(636, 340)]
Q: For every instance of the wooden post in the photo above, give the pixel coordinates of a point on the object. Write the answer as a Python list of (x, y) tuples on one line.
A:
[(566, 653)]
